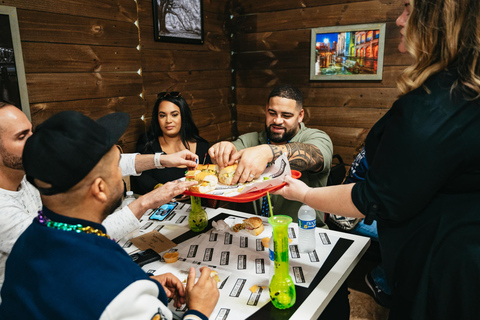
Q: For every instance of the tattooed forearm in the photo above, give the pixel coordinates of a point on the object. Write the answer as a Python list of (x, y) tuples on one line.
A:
[(277, 151), (302, 156)]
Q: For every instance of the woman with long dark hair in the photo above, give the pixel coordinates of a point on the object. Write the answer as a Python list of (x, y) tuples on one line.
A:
[(172, 129)]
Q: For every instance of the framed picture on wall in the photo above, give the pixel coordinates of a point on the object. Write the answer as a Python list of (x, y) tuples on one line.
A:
[(178, 21), (352, 52), (13, 85)]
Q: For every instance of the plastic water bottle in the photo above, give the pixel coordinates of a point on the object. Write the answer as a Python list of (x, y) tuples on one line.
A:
[(306, 229), (129, 198)]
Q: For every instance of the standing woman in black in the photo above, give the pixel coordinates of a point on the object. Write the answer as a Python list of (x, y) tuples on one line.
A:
[(423, 185), (172, 129)]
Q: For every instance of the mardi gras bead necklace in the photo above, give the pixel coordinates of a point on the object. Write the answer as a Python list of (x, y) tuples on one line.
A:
[(42, 219)]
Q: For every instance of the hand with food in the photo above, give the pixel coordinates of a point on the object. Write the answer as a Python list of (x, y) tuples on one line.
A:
[(221, 153), (251, 163)]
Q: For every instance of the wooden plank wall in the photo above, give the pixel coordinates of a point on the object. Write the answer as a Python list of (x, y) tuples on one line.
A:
[(272, 46), (90, 56)]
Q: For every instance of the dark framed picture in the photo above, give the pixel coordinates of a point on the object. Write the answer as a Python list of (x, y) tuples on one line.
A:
[(352, 52), (13, 85), (178, 21)]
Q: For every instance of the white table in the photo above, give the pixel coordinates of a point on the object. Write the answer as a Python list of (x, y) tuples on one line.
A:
[(319, 295)]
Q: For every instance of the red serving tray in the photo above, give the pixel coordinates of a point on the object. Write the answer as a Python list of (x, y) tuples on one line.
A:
[(243, 197)]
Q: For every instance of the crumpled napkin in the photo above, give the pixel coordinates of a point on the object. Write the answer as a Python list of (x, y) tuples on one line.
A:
[(220, 225)]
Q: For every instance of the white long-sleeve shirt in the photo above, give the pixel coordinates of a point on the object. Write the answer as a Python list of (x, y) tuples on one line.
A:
[(19, 208)]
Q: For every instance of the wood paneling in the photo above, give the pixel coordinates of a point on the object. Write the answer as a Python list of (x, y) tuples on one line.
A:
[(253, 6), (300, 78), (94, 108), (47, 87), (123, 10), (60, 28), (90, 56), (54, 57), (180, 60), (185, 80), (320, 16)]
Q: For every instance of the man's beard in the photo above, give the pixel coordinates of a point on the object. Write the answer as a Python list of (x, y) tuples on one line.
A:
[(280, 137), (113, 205), (9, 160)]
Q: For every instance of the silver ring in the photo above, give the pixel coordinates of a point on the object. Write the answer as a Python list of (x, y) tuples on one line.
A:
[(252, 176)]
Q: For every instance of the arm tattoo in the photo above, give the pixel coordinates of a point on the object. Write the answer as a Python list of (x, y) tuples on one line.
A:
[(302, 156)]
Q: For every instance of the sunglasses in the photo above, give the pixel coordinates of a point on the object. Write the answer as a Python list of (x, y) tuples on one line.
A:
[(173, 94)]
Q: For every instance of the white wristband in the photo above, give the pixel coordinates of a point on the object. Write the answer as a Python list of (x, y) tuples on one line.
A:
[(156, 160)]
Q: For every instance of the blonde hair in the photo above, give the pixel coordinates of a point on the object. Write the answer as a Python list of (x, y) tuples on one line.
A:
[(441, 34)]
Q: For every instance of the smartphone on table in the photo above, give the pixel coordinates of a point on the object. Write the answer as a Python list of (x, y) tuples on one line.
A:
[(163, 211), (144, 257)]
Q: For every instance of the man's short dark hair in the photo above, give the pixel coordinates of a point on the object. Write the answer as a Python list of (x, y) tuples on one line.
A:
[(287, 91)]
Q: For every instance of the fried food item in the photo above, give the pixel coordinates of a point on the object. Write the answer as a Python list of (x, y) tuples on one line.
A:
[(214, 275), (253, 225), (238, 227)]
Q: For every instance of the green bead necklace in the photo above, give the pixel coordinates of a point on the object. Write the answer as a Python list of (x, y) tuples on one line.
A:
[(42, 219)]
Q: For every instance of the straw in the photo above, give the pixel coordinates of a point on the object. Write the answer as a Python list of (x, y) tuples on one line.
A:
[(269, 204)]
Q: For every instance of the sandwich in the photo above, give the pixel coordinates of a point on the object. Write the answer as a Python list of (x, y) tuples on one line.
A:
[(253, 225), (206, 182), (190, 175), (211, 168), (201, 168), (225, 175)]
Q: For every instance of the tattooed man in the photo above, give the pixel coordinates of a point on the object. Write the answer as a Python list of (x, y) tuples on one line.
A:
[(308, 150)]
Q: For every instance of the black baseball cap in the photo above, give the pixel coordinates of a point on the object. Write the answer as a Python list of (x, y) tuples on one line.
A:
[(66, 147)]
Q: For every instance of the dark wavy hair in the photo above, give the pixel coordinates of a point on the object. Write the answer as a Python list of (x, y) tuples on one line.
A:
[(288, 91), (188, 131)]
